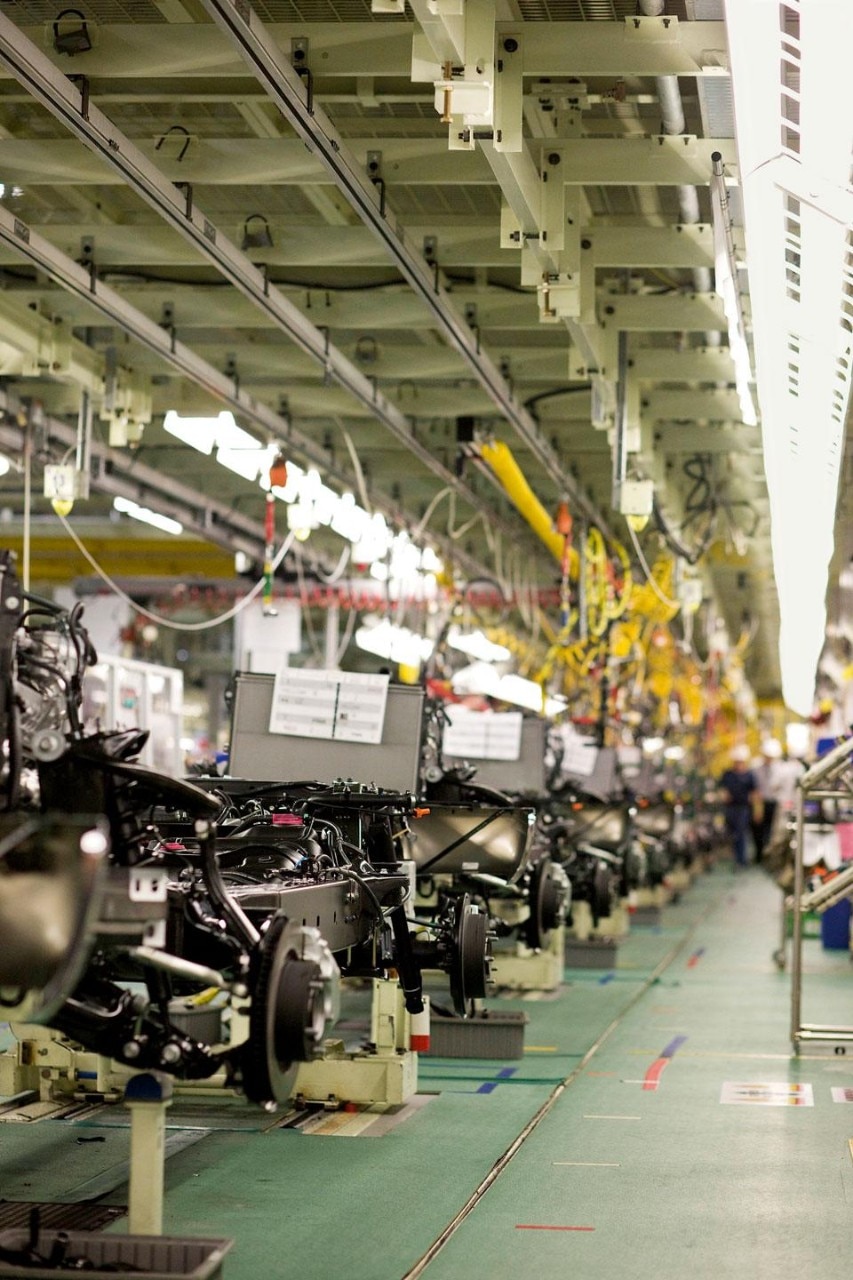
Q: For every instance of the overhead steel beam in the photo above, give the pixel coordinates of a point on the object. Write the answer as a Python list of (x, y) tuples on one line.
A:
[(653, 313), (313, 126), (472, 242), (710, 405), (348, 312), (151, 244), (151, 51), (636, 246), (415, 162), (444, 32), (693, 364)]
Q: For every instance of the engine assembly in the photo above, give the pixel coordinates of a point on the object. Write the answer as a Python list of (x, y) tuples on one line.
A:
[(126, 894)]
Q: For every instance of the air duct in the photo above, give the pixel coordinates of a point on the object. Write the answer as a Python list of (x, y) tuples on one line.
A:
[(672, 122)]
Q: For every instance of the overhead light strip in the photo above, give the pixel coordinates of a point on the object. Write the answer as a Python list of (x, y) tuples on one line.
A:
[(794, 133), (71, 105), (286, 90), (726, 284)]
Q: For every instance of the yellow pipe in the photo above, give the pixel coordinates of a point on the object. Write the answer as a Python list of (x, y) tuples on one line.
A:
[(499, 457)]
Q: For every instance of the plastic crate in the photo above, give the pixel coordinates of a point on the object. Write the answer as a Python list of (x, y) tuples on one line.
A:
[(591, 953), (156, 1257), (835, 927), (488, 1035), (811, 924)]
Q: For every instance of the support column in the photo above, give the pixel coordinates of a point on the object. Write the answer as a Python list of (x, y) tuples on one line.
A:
[(148, 1096)]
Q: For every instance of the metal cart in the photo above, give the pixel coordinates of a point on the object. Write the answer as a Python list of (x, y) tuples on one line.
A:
[(830, 778)]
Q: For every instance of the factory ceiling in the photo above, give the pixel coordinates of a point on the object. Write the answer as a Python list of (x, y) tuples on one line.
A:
[(383, 236)]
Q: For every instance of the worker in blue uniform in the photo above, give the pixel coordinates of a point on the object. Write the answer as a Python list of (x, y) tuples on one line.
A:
[(740, 792)]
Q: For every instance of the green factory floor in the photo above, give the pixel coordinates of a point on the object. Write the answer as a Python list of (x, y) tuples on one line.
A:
[(607, 1150)]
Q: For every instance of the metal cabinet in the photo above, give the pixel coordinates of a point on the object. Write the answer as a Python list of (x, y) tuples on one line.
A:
[(121, 693)]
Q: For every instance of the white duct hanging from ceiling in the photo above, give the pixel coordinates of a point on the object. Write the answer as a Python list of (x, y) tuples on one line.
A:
[(794, 133)]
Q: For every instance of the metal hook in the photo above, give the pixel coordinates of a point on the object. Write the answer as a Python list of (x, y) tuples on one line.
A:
[(71, 42), (175, 128)]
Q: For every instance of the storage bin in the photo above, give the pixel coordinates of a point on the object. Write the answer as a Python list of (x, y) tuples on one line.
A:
[(488, 1035), (156, 1257), (835, 926)]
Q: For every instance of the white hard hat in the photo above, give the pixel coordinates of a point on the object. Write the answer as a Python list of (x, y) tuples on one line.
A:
[(772, 748), (740, 752)]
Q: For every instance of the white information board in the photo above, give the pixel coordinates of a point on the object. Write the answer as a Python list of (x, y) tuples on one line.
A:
[(346, 706), (482, 735), (579, 754)]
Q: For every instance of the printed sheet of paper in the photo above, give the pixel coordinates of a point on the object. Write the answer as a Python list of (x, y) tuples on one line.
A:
[(345, 705), (767, 1094), (579, 754), (482, 735)]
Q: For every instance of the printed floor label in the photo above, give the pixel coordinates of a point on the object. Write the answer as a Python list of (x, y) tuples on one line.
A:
[(767, 1094), (842, 1095)]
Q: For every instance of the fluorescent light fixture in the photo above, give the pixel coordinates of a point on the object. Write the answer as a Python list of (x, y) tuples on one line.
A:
[(230, 436), (477, 645), (673, 754), (198, 433), (794, 134), (236, 449), (147, 516), (249, 463), (430, 562), (388, 640), (405, 557), (5, 464), (482, 678), (300, 518), (325, 505), (651, 746), (477, 678), (555, 704), (374, 541), (521, 692), (349, 520)]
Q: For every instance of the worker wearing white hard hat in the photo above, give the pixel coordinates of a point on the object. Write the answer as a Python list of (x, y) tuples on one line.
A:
[(739, 788), (771, 780)]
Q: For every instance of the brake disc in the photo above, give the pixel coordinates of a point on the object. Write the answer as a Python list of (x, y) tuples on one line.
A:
[(469, 967), (295, 995), (549, 892)]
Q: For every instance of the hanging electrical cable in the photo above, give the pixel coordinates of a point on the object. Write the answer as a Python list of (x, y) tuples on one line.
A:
[(251, 595)]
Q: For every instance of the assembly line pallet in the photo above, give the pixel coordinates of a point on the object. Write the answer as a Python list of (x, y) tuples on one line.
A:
[(591, 953), (486, 1035)]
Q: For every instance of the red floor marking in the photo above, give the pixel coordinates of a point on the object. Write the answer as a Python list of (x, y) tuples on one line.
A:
[(654, 1073), (535, 1226)]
